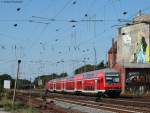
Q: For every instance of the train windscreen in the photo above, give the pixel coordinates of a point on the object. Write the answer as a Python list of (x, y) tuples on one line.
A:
[(112, 78)]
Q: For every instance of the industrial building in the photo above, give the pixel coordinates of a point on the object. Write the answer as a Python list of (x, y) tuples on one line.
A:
[(130, 55)]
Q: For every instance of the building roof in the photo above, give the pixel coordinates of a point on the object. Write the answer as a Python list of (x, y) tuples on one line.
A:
[(142, 18)]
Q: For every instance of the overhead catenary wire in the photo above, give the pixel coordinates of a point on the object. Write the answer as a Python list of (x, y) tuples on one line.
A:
[(61, 10), (59, 42), (56, 14), (48, 20)]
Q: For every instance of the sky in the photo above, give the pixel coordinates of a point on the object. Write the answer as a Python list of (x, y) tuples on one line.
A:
[(55, 36)]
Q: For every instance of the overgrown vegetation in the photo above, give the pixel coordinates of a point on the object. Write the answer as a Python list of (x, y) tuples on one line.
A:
[(19, 107)]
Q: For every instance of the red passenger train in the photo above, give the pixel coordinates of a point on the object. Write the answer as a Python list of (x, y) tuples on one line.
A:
[(101, 82)]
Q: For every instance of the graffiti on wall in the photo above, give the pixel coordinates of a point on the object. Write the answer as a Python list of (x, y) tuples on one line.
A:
[(134, 77), (133, 44), (141, 50)]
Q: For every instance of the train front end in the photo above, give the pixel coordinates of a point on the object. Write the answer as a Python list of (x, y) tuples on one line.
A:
[(112, 84)]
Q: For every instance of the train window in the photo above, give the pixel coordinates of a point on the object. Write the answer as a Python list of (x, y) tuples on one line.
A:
[(89, 88), (112, 78)]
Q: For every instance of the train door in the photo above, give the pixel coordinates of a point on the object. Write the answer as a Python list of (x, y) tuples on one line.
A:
[(49, 86), (82, 84), (63, 85), (101, 82), (54, 86), (98, 84), (79, 85)]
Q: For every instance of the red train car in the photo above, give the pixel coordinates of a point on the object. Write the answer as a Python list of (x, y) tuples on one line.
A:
[(105, 81)]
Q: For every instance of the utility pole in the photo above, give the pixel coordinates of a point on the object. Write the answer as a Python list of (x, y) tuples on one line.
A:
[(14, 95), (30, 92), (95, 58)]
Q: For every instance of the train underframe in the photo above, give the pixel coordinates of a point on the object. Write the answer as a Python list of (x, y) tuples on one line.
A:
[(113, 92), (106, 93)]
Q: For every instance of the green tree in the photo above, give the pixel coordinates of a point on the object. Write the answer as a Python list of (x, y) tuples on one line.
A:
[(85, 68), (101, 65), (23, 84), (63, 75)]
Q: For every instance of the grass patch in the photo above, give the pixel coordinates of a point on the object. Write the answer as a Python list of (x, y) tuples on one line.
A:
[(19, 107), (7, 105)]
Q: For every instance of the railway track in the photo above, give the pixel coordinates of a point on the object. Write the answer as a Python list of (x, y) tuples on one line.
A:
[(132, 101), (138, 103), (121, 105), (43, 106), (116, 104), (104, 106)]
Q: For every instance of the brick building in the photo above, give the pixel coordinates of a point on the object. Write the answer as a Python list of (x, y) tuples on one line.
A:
[(130, 55)]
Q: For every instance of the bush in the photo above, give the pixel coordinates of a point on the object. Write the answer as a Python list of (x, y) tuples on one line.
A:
[(5, 93)]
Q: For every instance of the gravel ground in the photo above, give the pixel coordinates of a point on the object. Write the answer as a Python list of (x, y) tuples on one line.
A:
[(83, 109)]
